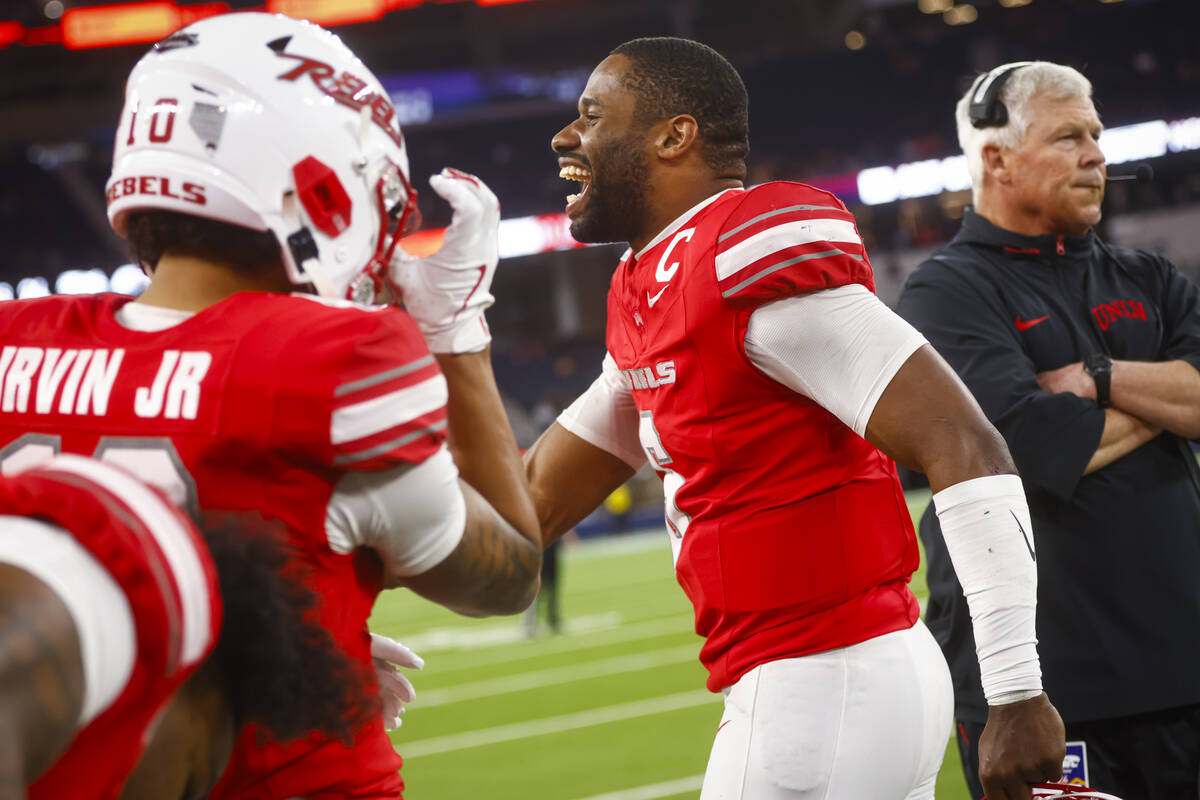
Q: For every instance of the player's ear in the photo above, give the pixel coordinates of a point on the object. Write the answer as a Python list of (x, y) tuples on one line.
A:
[(676, 136)]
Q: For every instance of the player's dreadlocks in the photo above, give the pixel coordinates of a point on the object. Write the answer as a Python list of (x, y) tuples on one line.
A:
[(678, 76), (153, 233), (281, 669)]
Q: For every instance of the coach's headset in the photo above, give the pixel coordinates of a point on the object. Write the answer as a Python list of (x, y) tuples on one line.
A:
[(986, 110)]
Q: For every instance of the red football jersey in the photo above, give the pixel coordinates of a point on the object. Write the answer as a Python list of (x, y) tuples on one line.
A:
[(260, 402), (159, 561), (790, 531)]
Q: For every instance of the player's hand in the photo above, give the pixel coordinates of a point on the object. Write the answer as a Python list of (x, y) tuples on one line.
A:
[(394, 688), (447, 292), (1022, 744)]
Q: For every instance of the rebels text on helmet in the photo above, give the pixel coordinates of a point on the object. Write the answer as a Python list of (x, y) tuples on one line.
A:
[(347, 89)]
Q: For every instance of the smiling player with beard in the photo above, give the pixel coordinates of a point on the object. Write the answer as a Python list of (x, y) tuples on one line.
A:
[(751, 363)]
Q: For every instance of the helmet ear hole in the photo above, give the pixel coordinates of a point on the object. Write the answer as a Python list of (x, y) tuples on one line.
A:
[(323, 196)]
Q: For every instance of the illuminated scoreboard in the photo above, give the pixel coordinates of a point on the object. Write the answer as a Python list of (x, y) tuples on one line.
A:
[(145, 22)]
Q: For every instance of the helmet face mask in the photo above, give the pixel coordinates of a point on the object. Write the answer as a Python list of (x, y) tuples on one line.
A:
[(398, 217), (272, 124)]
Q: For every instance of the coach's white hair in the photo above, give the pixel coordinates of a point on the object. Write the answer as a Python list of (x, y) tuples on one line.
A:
[(1038, 77)]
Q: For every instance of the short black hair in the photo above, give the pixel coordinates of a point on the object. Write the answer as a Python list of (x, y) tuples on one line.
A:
[(152, 233), (679, 76), (282, 670)]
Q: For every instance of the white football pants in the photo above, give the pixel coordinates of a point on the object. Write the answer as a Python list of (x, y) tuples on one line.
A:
[(866, 722)]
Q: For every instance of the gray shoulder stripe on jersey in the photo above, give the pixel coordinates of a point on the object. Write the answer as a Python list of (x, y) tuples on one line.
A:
[(776, 267), (386, 375), (380, 449), (787, 210)]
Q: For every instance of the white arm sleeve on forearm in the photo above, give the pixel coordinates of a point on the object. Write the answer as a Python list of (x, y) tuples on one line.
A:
[(839, 347), (606, 416), (413, 516), (986, 524)]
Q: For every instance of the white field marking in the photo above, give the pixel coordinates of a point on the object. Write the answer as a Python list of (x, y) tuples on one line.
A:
[(629, 632), (558, 724), (654, 790), (472, 638), (557, 675)]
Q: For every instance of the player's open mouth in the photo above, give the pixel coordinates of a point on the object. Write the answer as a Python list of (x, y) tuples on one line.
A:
[(576, 173)]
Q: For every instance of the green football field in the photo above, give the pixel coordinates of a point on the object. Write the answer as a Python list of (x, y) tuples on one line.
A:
[(611, 708)]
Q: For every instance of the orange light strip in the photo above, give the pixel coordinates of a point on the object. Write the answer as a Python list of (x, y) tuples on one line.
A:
[(330, 12), (141, 23), (130, 23), (424, 243)]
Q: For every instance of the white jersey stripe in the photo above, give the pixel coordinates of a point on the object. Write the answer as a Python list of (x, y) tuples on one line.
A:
[(389, 410), (173, 540), (775, 213), (781, 237), (731, 291)]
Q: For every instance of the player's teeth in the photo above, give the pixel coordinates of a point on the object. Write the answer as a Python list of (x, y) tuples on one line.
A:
[(571, 198), (574, 173)]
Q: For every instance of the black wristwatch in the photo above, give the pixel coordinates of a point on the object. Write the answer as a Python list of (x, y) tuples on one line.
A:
[(1099, 366)]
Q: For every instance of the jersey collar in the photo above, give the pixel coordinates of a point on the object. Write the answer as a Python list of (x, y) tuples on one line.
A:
[(977, 230), (682, 220)]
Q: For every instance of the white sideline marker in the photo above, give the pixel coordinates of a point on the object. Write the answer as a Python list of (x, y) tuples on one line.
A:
[(557, 675), (654, 790), (563, 722)]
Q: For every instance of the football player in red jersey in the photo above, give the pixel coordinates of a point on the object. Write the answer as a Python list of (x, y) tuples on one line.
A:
[(751, 363), (134, 645), (256, 156)]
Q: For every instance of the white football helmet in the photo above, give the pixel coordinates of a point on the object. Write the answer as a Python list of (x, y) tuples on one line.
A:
[(273, 124)]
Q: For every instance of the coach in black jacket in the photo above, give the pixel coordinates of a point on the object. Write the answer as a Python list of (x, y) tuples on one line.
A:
[(1086, 358)]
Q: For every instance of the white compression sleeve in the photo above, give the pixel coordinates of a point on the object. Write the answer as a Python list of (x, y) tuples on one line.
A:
[(796, 340), (413, 515), (986, 524)]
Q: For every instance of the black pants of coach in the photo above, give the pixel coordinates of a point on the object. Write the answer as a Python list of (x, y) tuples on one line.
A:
[(1153, 756)]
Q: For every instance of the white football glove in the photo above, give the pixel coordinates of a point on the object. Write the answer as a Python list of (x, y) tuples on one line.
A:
[(447, 292), (394, 688)]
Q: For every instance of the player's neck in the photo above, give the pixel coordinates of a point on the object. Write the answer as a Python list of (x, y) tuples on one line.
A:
[(669, 205), (192, 284)]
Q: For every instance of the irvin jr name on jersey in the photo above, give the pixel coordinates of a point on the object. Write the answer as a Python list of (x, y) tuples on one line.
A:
[(82, 380)]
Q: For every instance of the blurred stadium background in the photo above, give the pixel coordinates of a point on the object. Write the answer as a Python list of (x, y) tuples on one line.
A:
[(854, 96)]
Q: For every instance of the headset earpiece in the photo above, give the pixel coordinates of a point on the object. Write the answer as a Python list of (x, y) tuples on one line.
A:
[(986, 110)]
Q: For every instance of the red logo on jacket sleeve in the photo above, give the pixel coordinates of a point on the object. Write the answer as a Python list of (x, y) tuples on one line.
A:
[(1024, 325)]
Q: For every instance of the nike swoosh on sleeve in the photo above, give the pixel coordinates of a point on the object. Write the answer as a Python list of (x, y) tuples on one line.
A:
[(650, 301)]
